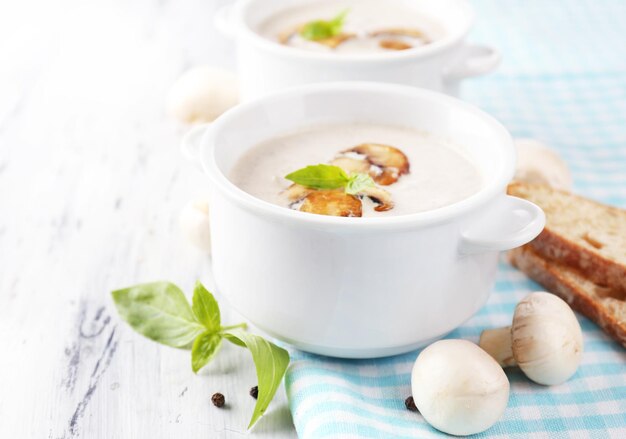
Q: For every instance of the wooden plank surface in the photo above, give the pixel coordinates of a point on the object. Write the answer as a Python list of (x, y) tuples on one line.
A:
[(91, 186)]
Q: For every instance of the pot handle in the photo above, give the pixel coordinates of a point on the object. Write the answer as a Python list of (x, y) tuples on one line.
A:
[(510, 223), (223, 20), (475, 60), (190, 144)]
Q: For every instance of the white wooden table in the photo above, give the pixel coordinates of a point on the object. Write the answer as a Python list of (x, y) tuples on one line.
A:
[(91, 186)]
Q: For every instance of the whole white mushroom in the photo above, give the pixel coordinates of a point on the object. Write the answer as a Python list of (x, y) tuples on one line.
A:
[(458, 387), (536, 163), (202, 94), (194, 222), (544, 340)]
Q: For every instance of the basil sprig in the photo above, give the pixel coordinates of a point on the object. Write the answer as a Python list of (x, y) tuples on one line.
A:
[(322, 29), (331, 177), (160, 311)]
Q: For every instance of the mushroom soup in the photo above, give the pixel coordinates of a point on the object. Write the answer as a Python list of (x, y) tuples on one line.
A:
[(357, 169), (352, 27)]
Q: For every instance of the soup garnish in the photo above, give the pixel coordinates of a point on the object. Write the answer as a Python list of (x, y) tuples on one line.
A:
[(329, 189), (332, 33), (355, 165)]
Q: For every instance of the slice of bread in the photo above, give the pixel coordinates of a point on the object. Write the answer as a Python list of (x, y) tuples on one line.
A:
[(600, 304), (580, 233)]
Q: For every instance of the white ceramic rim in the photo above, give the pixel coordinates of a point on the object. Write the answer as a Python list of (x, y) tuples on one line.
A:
[(448, 41), (447, 213)]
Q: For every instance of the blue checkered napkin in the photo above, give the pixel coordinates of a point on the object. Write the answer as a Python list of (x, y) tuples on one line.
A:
[(332, 398), (563, 82), (554, 37)]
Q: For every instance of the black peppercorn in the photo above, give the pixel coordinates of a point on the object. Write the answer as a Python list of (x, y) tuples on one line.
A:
[(218, 400), (410, 404), (254, 392)]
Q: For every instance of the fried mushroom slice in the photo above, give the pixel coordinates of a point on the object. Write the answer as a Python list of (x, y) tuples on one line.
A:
[(394, 44), (296, 192), (335, 41), (379, 196), (352, 165), (391, 160), (401, 32), (333, 203), (285, 36), (331, 42)]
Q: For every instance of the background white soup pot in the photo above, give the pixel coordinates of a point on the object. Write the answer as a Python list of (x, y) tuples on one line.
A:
[(360, 287), (266, 66)]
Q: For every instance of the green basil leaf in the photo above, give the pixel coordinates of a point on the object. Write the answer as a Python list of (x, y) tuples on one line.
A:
[(320, 177), (205, 308), (270, 362), (159, 311), (204, 349), (316, 30), (336, 24), (322, 29), (358, 182)]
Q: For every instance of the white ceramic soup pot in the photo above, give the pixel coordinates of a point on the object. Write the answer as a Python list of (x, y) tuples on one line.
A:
[(360, 287), (266, 66)]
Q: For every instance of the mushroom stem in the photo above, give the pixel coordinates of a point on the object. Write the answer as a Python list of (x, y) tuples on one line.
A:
[(497, 343)]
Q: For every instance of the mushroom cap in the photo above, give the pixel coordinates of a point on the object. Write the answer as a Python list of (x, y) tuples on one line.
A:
[(202, 94), (537, 163), (458, 387), (547, 341), (194, 222)]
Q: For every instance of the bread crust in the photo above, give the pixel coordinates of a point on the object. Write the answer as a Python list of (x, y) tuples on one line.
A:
[(573, 287), (595, 267), (552, 245)]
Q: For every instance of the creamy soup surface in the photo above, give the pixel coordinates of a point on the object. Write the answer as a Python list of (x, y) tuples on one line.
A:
[(364, 18), (440, 174)]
